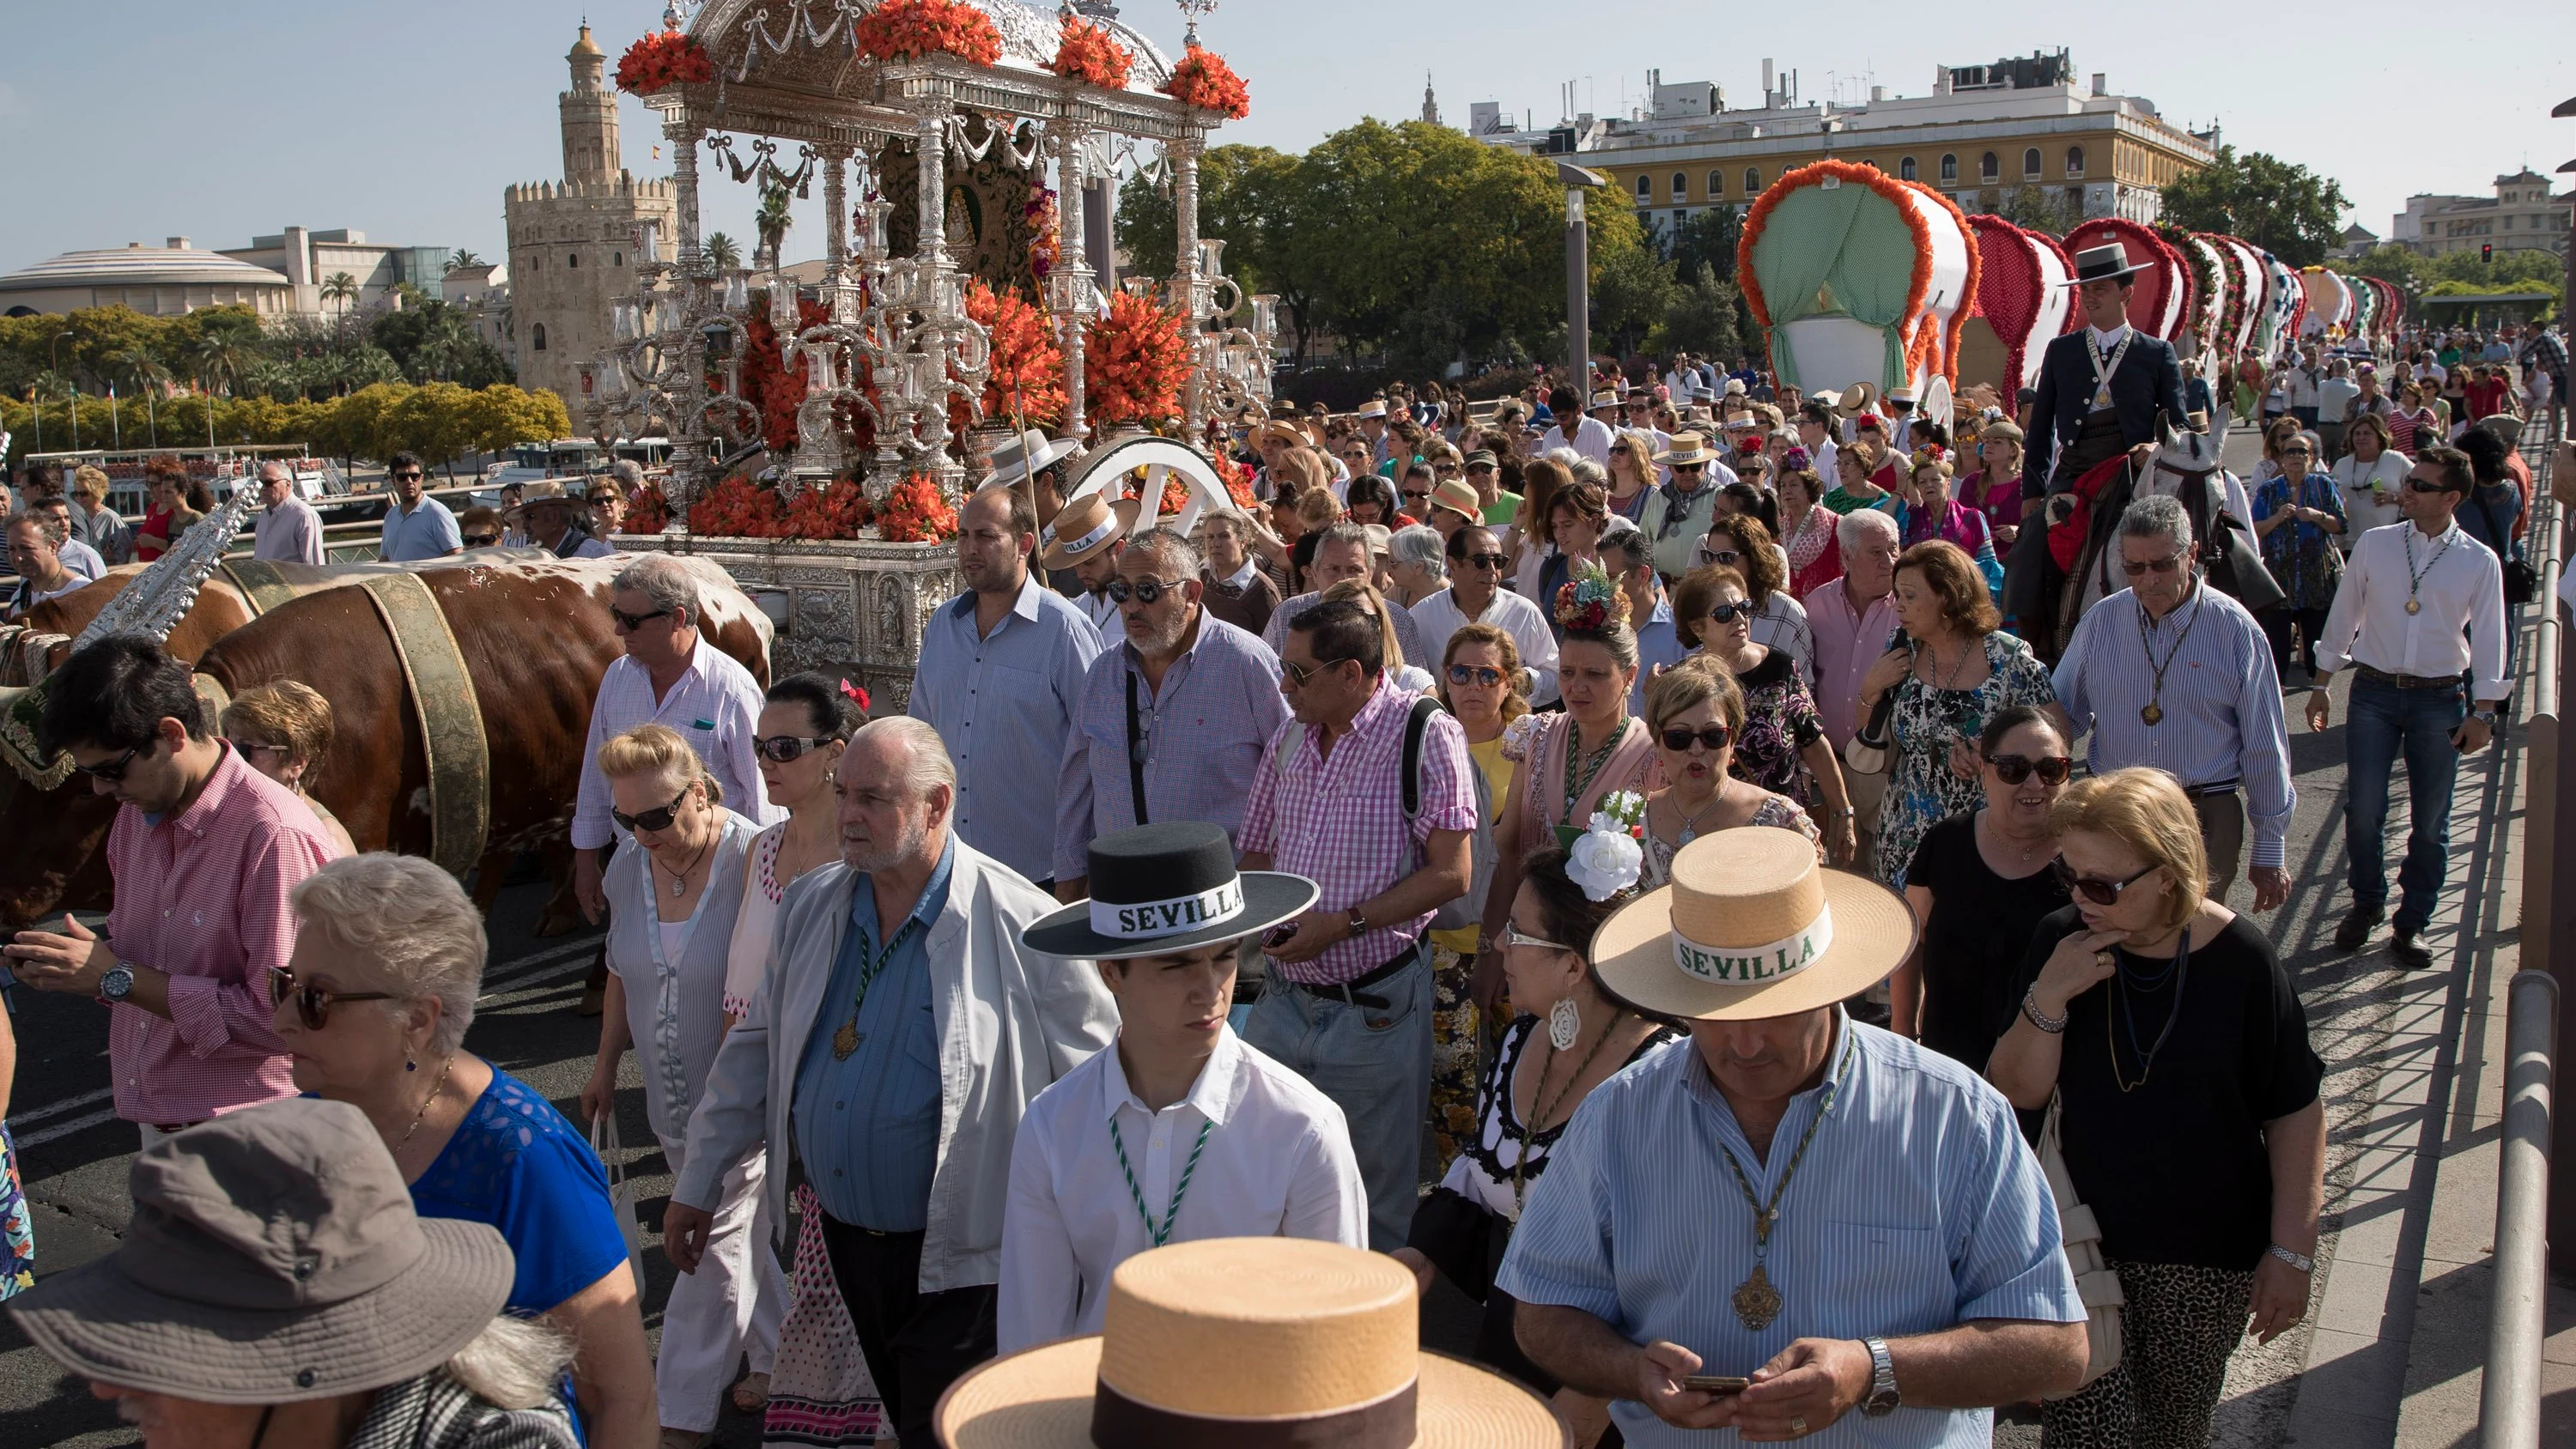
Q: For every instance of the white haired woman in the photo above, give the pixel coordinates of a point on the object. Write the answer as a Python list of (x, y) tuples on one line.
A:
[(1417, 565), (372, 1007), (674, 887)]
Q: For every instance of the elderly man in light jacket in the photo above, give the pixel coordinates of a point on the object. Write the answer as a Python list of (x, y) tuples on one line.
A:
[(897, 1039)]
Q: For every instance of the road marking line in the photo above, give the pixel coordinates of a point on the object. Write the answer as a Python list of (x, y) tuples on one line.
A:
[(63, 1129), (31, 1118)]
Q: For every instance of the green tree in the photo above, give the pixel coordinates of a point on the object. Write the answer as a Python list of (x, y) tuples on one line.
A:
[(2392, 263), (355, 429), (342, 288), (219, 360), (1633, 287), (1701, 319), (2028, 206), (499, 417), (723, 250), (1708, 239), (463, 259), (1253, 197), (2286, 209)]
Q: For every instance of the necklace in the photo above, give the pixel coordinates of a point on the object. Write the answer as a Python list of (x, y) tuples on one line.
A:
[(846, 1040), (1163, 1233), (1690, 823), (1755, 1300), (680, 878), (1957, 666), (2154, 713), (2415, 576), (434, 1088), (1985, 819), (2178, 970), (1591, 765), (1545, 1109)]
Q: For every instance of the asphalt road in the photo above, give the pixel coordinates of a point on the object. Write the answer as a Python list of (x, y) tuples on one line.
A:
[(74, 1154)]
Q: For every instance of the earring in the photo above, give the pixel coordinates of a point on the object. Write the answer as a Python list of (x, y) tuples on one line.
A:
[(411, 1066), (1564, 1023)]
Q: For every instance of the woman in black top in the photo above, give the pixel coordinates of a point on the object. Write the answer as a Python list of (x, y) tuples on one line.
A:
[(1980, 884), (2171, 1038)]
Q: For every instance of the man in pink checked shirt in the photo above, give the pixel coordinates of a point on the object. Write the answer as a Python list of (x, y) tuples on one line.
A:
[(204, 855)]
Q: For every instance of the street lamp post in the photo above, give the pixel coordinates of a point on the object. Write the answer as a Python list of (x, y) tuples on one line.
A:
[(1578, 271), (72, 407)]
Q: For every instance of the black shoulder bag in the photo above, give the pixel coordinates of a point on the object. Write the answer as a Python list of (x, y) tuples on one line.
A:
[(2521, 580)]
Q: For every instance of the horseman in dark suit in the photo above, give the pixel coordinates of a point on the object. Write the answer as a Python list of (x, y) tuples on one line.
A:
[(2101, 391)]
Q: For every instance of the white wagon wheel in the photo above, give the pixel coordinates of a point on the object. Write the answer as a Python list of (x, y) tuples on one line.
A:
[(1161, 458)]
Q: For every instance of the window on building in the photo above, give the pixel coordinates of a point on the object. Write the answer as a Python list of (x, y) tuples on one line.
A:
[(573, 260), (1679, 219), (1989, 167), (2508, 223), (1905, 169), (2030, 164), (1645, 190), (537, 336), (617, 259), (2074, 161), (1681, 187), (1716, 184), (1752, 180), (1949, 170)]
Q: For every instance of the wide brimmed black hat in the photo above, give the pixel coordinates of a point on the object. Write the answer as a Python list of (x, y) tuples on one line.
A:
[(1157, 890), (2103, 263)]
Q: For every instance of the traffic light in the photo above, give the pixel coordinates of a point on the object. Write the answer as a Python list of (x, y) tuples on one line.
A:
[(2486, 251)]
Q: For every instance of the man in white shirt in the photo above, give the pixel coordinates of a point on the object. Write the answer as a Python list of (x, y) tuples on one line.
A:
[(1816, 435), (1588, 436), (1182, 1130), (2304, 376), (2335, 397), (2419, 613), (289, 530), (1476, 596)]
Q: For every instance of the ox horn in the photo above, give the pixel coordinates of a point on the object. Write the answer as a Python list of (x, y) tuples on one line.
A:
[(162, 595)]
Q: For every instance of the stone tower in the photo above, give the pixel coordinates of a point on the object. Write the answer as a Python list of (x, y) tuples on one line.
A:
[(573, 242), (1430, 103)]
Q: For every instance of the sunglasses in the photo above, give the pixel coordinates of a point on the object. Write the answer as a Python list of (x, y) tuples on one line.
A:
[(787, 749), (629, 623), (2051, 769), (246, 747), (1416, 495), (1301, 676), (1515, 936), (1143, 591), (2418, 485), (2296, 453), (1690, 467), (112, 771), (312, 1003), (660, 819), (1484, 674), (1715, 737), (1444, 469), (2164, 565), (1487, 560), (2099, 892), (407, 477), (1480, 467), (1729, 613), (481, 540)]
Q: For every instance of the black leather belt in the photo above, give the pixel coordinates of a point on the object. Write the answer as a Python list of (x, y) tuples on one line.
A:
[(2408, 681), (2222, 787), (1349, 991)]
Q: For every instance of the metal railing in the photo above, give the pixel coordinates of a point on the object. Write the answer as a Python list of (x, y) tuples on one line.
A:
[(2517, 1327)]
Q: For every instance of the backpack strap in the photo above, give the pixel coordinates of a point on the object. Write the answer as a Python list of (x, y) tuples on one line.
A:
[(1416, 722)]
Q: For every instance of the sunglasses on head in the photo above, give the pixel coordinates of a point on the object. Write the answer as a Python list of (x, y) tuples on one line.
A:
[(629, 623), (657, 819), (2099, 892), (787, 749), (1484, 674), (113, 771), (2133, 568), (2013, 769), (1143, 591), (312, 1003), (1714, 737)]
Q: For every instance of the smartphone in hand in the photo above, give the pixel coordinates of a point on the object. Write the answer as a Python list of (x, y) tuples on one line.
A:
[(1720, 1384)]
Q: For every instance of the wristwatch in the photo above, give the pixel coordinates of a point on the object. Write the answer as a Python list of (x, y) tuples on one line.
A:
[(118, 980), (1359, 922), (1882, 1400), (2300, 1261), (2485, 717)]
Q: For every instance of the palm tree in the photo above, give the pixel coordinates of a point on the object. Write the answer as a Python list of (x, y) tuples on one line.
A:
[(342, 288), (219, 360), (462, 260), (723, 251), (773, 221)]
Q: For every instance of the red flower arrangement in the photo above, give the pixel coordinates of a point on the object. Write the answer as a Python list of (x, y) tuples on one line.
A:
[(1203, 79), (737, 508), (911, 29), (915, 513), (1135, 361), (835, 509), (768, 383), (1028, 367), (663, 58), (1237, 480), (648, 511), (1087, 54)]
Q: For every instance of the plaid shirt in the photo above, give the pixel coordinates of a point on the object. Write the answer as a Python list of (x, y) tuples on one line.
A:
[(1339, 821)]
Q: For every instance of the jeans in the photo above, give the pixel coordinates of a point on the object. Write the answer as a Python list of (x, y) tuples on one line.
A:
[(1376, 1066), (2386, 719)]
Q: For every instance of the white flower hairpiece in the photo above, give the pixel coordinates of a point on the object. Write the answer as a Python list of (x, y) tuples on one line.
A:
[(1607, 858)]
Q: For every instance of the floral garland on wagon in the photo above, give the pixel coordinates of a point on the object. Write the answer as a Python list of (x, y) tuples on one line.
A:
[(1026, 379), (1135, 362), (1088, 54), (911, 29), (1203, 79), (914, 512), (661, 59)]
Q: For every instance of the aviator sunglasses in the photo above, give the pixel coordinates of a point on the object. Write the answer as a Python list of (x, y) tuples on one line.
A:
[(1143, 591), (786, 749)]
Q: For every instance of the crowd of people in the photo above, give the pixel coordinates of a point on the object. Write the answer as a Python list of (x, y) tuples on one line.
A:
[(1575, 852)]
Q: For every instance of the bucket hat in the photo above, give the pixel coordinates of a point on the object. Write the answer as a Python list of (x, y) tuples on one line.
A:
[(273, 1258), (1158, 890)]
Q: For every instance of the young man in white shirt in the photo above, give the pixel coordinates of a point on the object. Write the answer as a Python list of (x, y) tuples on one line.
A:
[(2427, 604), (1586, 435), (1180, 1130)]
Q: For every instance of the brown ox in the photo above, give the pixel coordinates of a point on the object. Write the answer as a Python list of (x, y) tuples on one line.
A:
[(536, 638)]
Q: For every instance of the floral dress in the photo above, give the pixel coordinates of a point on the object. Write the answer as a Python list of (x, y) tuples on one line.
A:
[(1922, 789), (2302, 557), (1780, 719), (17, 1226)]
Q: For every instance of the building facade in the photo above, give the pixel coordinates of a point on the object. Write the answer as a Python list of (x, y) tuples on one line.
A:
[(2017, 135), (339, 271), (162, 281), (572, 241), (2522, 214)]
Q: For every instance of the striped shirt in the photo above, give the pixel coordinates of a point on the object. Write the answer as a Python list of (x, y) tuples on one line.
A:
[(1004, 703), (2221, 702), (1338, 820), (202, 894), (1203, 734), (1915, 1207), (715, 706)]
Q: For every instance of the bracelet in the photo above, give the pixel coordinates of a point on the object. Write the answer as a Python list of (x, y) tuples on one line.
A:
[(2053, 1025), (2299, 1261)]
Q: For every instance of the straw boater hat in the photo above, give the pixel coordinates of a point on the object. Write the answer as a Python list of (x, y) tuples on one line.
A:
[(273, 1258), (1606, 398), (2102, 263), (1159, 890), (1374, 408), (1030, 452), (1084, 527), (1751, 927), (1288, 433), (1252, 1343), (1856, 397), (1687, 448), (1459, 497)]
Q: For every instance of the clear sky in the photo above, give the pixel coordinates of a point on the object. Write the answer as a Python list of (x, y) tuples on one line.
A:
[(154, 118)]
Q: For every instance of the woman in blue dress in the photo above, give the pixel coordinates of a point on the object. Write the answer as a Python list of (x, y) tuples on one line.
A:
[(2298, 513), (372, 1007)]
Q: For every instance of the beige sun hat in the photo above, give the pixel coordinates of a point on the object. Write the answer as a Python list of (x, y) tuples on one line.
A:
[(1857, 396), (1084, 527), (1325, 1348), (1752, 927), (543, 490), (1687, 448)]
